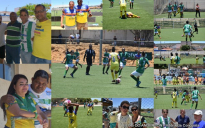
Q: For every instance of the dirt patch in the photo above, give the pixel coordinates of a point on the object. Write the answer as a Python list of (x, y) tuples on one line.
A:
[(59, 50)]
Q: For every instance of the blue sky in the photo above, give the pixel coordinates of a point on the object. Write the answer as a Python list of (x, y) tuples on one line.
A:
[(146, 102), (99, 99), (163, 42), (11, 4), (64, 2)]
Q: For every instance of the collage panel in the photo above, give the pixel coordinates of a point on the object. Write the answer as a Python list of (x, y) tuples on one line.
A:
[(76, 15), (25, 32), (128, 112), (76, 112), (179, 52), (25, 96), (181, 118), (81, 66), (179, 86)]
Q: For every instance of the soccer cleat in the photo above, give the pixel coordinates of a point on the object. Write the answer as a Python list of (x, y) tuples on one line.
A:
[(106, 72), (71, 74), (113, 80), (63, 76), (119, 76), (138, 83), (81, 66), (103, 73), (87, 74)]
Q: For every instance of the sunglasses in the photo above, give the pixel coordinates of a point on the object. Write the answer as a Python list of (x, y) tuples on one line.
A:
[(124, 107), (165, 112), (133, 110)]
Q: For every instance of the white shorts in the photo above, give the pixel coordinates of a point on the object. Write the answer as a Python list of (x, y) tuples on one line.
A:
[(156, 32), (105, 63), (174, 10), (69, 65), (164, 85), (70, 27), (194, 99), (122, 65), (170, 11), (188, 34), (136, 73), (77, 60)]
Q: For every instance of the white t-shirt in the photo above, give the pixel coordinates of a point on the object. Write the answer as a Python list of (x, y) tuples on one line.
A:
[(124, 121), (3, 27), (77, 36)]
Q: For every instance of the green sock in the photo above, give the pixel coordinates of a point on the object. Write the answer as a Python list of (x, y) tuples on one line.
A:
[(65, 72), (196, 106), (136, 79), (158, 35), (186, 39), (182, 102), (74, 71), (190, 39), (79, 64), (120, 70), (107, 68), (191, 105), (103, 69)]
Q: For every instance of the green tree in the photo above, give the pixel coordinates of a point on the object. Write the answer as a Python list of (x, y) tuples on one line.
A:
[(185, 48), (95, 101)]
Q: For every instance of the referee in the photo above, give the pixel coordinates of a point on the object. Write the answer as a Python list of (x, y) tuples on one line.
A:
[(89, 53)]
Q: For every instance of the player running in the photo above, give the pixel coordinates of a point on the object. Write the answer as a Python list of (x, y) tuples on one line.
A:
[(197, 59), (140, 69), (69, 63), (194, 96), (123, 7), (156, 31), (172, 58), (114, 58), (106, 61), (90, 106), (187, 30), (181, 7), (72, 115), (111, 3), (174, 96), (183, 97), (177, 59), (155, 94), (169, 10), (131, 4), (175, 6), (77, 60), (123, 59)]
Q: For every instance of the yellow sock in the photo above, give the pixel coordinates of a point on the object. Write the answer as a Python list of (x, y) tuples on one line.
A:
[(125, 14), (112, 75), (121, 14), (172, 104), (116, 75), (175, 104)]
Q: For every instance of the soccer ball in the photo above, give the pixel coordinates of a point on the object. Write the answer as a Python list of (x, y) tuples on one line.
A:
[(66, 102), (118, 80)]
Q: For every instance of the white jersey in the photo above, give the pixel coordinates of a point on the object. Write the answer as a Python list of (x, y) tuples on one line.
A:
[(163, 122), (3, 27), (77, 36), (27, 32), (43, 100), (124, 121)]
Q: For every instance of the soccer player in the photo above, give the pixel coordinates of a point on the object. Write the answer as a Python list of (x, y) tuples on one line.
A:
[(137, 57), (123, 7), (70, 15), (111, 3), (172, 58), (27, 36), (106, 61), (156, 31), (90, 58), (114, 58), (155, 94), (169, 10), (195, 27), (177, 59), (187, 30), (69, 63), (197, 59), (159, 29), (204, 59), (175, 6), (77, 58), (131, 4), (3, 27), (196, 80), (155, 80), (164, 83), (131, 15), (174, 80), (194, 96), (183, 97), (72, 115), (140, 69), (123, 59), (90, 106), (187, 80), (181, 7), (174, 96)]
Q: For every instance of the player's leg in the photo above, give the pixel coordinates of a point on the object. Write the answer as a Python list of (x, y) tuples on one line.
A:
[(66, 70), (192, 103), (103, 68), (121, 9), (108, 66), (175, 103), (135, 75), (78, 63), (125, 12), (112, 73), (120, 70), (91, 111), (196, 103), (172, 103), (132, 5), (186, 36), (75, 69), (190, 37)]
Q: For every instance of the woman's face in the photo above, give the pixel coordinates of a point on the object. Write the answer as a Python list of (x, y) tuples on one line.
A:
[(134, 111), (21, 87)]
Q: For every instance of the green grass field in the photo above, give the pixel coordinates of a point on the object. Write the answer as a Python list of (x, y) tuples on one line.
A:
[(183, 61), (83, 120), (186, 15), (98, 84), (144, 9), (165, 101), (175, 34)]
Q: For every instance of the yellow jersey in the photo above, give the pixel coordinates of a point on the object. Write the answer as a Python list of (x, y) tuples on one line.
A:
[(82, 13), (114, 58), (174, 95), (122, 2), (42, 40), (172, 59), (72, 118), (197, 60), (70, 15)]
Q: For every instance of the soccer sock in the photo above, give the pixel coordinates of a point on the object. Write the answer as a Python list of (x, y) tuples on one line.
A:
[(88, 69), (196, 106), (182, 102), (175, 104), (112, 75), (65, 72), (76, 64), (172, 103), (192, 105), (79, 64), (186, 38), (190, 39), (103, 69), (120, 70), (107, 68), (121, 14), (74, 71), (116, 75), (125, 14), (130, 5), (136, 79)]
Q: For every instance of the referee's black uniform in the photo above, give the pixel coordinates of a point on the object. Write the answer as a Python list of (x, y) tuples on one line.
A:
[(89, 53)]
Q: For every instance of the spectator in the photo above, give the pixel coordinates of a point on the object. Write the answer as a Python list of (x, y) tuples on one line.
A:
[(3, 27)]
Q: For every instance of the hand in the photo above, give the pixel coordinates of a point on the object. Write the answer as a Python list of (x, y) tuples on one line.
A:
[(45, 123), (62, 25), (90, 15), (40, 119), (8, 99), (32, 39)]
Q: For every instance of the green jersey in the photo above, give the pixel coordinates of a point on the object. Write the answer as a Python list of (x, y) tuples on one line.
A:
[(106, 60), (69, 59), (164, 81), (187, 28), (203, 58), (181, 7), (195, 94), (142, 62), (177, 60), (123, 56), (155, 29), (169, 7), (184, 94), (76, 54), (175, 6)]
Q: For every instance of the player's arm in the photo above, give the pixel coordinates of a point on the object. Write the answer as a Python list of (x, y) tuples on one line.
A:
[(116, 125), (89, 12), (62, 17), (93, 56), (64, 59), (85, 55), (8, 99), (73, 104), (199, 96)]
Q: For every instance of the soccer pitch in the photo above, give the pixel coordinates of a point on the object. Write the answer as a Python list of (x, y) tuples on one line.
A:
[(98, 84), (83, 120), (144, 9), (186, 15), (175, 34), (165, 102), (182, 61)]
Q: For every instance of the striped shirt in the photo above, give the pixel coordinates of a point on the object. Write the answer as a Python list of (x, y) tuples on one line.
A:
[(13, 38)]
